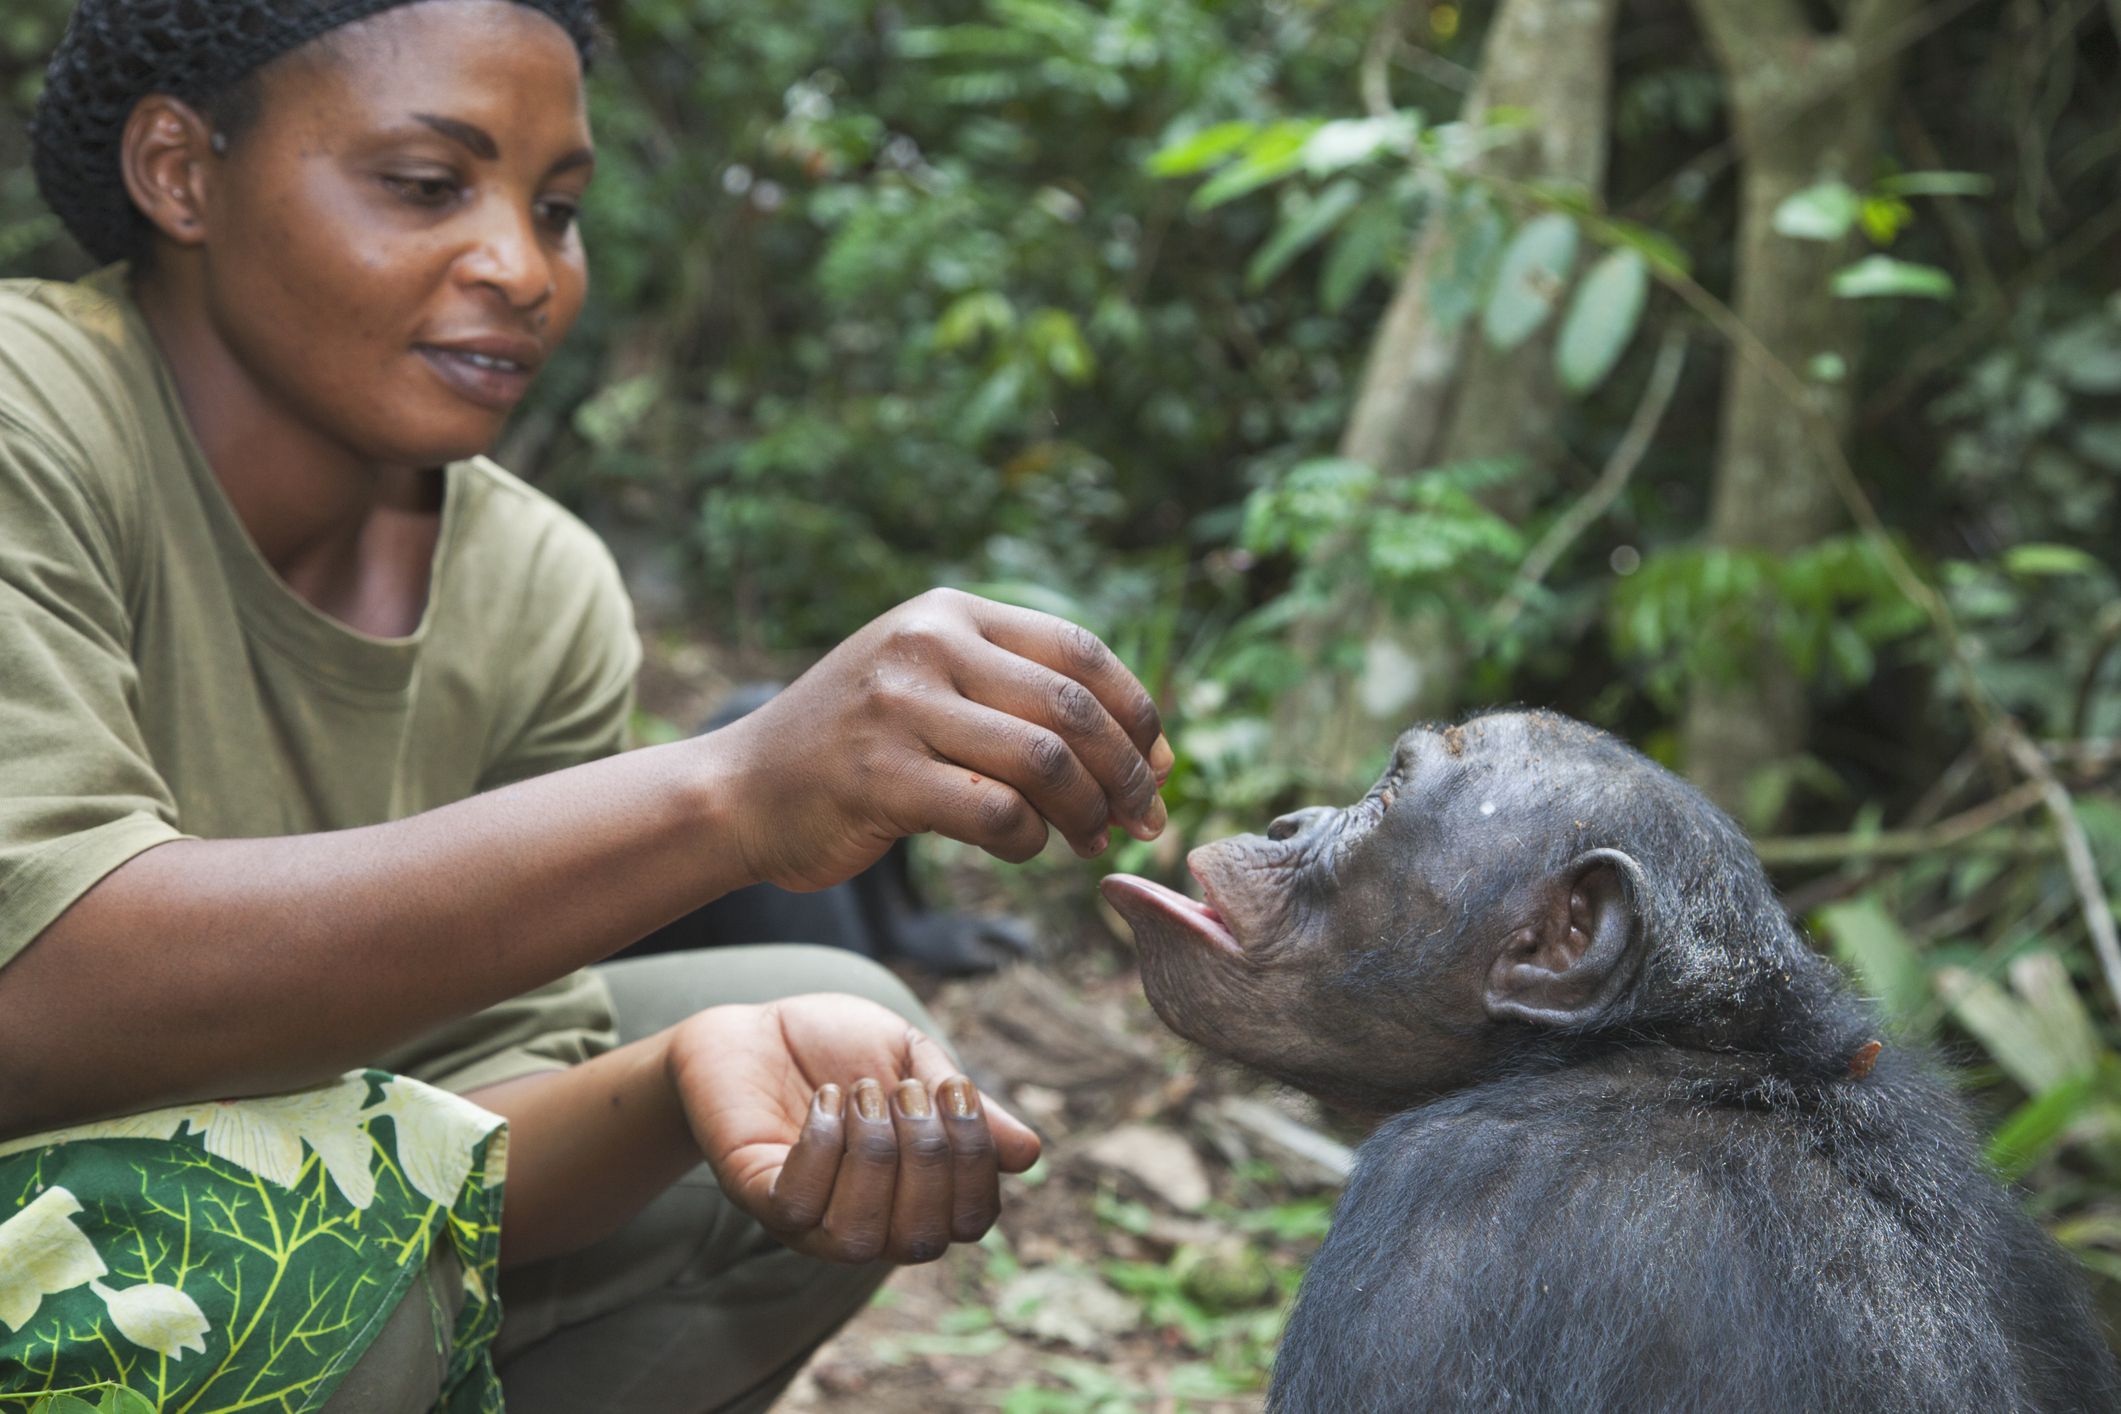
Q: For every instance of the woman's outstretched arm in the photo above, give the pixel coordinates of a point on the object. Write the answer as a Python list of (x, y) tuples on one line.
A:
[(201, 968)]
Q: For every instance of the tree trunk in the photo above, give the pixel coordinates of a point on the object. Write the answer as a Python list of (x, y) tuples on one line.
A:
[(1548, 57), (1434, 393), (1806, 108)]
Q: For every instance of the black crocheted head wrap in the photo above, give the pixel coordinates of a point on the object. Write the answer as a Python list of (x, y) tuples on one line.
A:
[(117, 52)]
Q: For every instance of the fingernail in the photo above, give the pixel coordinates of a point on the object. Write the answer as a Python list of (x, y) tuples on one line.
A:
[(961, 1098), (1162, 758), (828, 1100), (1099, 844), (1153, 822), (913, 1099), (869, 1099)]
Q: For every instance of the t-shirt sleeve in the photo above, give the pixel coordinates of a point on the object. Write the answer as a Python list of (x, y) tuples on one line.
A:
[(79, 795), (577, 662)]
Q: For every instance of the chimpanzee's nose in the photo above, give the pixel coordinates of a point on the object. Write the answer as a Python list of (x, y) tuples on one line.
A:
[(1297, 822)]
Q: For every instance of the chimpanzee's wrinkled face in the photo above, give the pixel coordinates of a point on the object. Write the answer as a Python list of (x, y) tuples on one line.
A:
[(1351, 952)]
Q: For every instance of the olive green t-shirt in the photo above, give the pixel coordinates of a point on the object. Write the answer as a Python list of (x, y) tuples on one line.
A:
[(158, 680)]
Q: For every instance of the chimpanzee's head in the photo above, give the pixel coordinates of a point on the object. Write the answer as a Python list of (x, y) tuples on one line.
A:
[(1517, 877)]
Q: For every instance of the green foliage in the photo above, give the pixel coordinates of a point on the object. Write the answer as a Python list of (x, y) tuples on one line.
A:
[(1709, 612)]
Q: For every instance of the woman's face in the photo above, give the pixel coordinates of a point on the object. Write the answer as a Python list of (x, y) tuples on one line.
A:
[(391, 249)]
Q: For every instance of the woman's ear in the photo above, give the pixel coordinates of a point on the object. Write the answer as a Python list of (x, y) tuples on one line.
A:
[(166, 154), (1581, 955)]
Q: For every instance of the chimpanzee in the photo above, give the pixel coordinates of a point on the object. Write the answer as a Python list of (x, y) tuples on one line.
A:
[(1646, 1151)]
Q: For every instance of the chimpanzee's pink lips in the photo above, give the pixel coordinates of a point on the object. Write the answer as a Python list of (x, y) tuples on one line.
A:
[(1142, 900)]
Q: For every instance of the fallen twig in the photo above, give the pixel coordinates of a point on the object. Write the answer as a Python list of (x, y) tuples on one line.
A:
[(2076, 852), (1306, 1143), (1902, 844)]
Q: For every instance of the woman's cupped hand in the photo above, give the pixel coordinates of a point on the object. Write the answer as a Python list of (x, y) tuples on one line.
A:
[(848, 1135)]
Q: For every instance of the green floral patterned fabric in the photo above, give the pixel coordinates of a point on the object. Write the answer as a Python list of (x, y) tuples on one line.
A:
[(243, 1254)]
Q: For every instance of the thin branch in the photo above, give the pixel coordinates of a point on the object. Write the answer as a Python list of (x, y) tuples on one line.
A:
[(2076, 853), (1902, 844), (1642, 430), (1375, 75)]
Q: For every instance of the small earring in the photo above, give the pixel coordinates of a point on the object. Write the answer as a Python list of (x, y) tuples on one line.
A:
[(219, 143)]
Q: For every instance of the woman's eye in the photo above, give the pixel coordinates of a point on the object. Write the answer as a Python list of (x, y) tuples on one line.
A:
[(423, 191), (559, 216)]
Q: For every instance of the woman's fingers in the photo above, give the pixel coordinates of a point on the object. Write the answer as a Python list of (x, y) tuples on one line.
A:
[(1083, 733), (998, 780), (975, 1171), (1077, 653), (858, 1219), (920, 1204), (895, 1174), (804, 1186)]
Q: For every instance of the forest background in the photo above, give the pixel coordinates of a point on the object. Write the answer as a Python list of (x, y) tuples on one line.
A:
[(1743, 376)]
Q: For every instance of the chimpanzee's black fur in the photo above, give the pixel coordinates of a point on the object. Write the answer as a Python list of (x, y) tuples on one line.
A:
[(1702, 1198), (1641, 1227)]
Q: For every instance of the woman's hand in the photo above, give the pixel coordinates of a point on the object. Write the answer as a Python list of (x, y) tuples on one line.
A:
[(976, 720), (844, 1132)]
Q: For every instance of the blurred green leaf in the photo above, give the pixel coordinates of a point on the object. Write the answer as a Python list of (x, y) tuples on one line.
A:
[(2036, 561), (1879, 276), (2038, 1032), (1201, 150), (1308, 221), (1937, 184), (1534, 272), (1602, 319), (1365, 246), (1276, 152), (1825, 212), (1870, 943), (2037, 1127)]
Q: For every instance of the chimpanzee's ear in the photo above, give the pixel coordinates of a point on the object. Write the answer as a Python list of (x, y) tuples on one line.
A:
[(1581, 954)]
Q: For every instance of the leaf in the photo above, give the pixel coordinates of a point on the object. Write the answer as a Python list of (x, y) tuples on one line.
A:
[(1535, 269), (1345, 143), (1885, 217), (1201, 150), (1463, 266), (1602, 320), (2048, 561), (1305, 225), (1275, 153), (118, 1400), (64, 1404), (2015, 1034), (2036, 1127), (972, 315), (1879, 276), (1365, 245), (1869, 942), (1824, 212), (1937, 184)]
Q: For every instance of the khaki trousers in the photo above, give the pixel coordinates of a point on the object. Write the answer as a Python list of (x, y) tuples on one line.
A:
[(690, 1308)]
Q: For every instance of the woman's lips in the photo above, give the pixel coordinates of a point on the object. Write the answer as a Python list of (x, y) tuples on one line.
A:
[(490, 381), (1139, 900)]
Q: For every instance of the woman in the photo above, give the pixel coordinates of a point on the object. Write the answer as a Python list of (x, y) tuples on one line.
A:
[(307, 714)]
